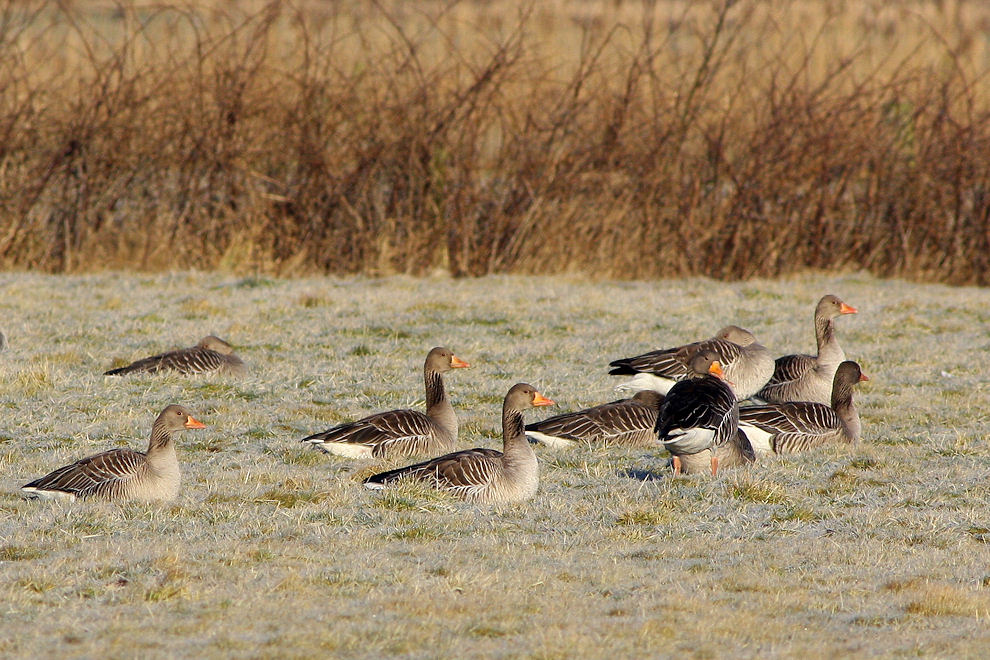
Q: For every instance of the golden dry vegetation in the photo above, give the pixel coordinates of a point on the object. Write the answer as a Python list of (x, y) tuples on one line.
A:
[(621, 139)]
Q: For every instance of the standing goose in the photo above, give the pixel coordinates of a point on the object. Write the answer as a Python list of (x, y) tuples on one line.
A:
[(785, 428), (628, 422), (401, 432), (737, 451), (210, 354), (700, 416), (484, 475), (746, 363), (123, 474), (808, 377)]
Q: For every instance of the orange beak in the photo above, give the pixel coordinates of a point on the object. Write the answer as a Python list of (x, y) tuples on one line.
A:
[(540, 400), (863, 376), (716, 369), (193, 423), (846, 309), (458, 363)]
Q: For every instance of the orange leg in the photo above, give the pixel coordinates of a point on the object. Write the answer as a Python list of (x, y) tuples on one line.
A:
[(677, 465), (714, 464)]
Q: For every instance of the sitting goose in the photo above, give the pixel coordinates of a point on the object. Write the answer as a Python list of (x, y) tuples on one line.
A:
[(808, 377), (700, 415), (210, 354), (747, 364), (628, 422), (123, 474), (401, 432), (785, 428), (484, 475)]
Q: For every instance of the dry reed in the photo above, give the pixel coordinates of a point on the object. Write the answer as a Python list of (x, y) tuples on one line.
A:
[(731, 139)]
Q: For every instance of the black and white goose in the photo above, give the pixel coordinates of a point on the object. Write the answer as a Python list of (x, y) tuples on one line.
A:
[(746, 363), (210, 354), (401, 432), (785, 428), (628, 422), (484, 475), (809, 377), (700, 416), (123, 474)]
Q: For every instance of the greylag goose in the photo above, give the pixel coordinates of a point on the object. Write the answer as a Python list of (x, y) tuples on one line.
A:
[(737, 451), (484, 475), (809, 377), (123, 474), (210, 354), (747, 364), (785, 428), (401, 432), (627, 422), (700, 415)]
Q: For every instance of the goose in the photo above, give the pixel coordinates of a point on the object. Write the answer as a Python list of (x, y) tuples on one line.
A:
[(123, 474), (210, 354), (3, 342), (747, 364), (785, 428), (628, 422), (699, 415), (737, 451), (401, 432), (809, 377), (484, 475)]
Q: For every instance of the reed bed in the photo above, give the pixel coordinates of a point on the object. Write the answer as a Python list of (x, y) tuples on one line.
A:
[(731, 138)]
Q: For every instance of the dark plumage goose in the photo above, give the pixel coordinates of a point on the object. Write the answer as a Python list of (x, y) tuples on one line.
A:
[(3, 342), (210, 354), (401, 432), (484, 475), (699, 415), (747, 364), (809, 377), (627, 422), (785, 428), (123, 474)]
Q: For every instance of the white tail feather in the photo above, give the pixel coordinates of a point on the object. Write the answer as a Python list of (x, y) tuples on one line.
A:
[(642, 382)]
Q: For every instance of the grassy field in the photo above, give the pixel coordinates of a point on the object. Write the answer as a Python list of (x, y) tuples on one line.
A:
[(275, 550)]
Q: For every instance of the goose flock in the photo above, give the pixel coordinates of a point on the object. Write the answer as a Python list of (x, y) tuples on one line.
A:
[(685, 399)]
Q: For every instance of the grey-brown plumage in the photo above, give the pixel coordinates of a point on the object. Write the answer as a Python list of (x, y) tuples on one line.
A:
[(809, 377), (746, 364), (123, 474), (785, 428), (484, 475), (737, 451), (401, 432), (210, 354), (699, 415), (628, 422)]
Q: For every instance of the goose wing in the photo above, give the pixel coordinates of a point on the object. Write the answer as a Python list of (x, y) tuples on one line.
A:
[(462, 472), (103, 474), (382, 431)]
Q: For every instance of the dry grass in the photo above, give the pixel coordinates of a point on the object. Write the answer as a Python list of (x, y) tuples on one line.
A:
[(727, 138), (273, 550)]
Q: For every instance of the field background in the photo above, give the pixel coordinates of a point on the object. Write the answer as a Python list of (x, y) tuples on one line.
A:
[(636, 140), (275, 550)]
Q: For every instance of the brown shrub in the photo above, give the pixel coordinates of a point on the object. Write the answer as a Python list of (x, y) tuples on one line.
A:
[(729, 139)]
